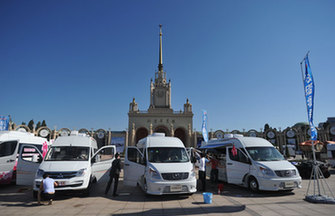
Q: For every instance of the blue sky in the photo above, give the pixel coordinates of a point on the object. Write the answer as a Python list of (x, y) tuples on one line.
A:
[(78, 64)]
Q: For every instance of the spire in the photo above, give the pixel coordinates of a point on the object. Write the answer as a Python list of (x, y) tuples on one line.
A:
[(160, 64)]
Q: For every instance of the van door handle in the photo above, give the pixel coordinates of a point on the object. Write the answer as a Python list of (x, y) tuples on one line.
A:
[(229, 164), (10, 160), (126, 164)]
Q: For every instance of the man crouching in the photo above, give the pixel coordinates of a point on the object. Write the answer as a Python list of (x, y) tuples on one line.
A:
[(47, 189)]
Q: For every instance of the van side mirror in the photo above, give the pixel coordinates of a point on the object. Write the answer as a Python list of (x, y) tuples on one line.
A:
[(143, 161)]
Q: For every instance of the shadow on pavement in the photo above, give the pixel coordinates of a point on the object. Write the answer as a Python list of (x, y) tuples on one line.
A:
[(188, 211), (23, 196)]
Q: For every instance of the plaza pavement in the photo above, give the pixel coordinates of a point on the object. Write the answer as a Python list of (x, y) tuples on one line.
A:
[(17, 200)]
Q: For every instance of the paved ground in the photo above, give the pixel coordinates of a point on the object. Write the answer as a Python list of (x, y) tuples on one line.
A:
[(17, 200)]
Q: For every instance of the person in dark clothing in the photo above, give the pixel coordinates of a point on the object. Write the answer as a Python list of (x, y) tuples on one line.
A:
[(114, 174)]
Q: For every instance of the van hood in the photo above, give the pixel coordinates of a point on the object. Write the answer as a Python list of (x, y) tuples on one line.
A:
[(277, 165), (63, 166), (172, 167)]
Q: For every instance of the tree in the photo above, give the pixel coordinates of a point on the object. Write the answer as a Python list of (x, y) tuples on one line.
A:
[(43, 124), (31, 124), (38, 125)]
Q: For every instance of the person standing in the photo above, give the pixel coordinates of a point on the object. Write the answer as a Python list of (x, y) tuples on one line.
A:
[(47, 189), (202, 171), (214, 171), (114, 174)]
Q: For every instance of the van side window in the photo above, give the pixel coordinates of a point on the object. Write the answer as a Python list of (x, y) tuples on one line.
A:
[(30, 154), (7, 148), (134, 155), (106, 154), (240, 157)]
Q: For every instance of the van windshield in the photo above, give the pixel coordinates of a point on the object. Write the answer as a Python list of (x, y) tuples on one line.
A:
[(67, 153), (167, 155), (267, 153)]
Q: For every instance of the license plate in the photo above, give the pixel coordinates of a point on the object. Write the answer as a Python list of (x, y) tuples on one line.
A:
[(289, 184), (61, 183), (174, 188)]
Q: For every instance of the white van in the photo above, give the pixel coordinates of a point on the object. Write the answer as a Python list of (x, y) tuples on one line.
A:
[(256, 164), (160, 165), (75, 163), (29, 146)]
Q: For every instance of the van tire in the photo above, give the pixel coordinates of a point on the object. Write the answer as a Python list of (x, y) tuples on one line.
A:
[(253, 184), (145, 186), (86, 192), (34, 194)]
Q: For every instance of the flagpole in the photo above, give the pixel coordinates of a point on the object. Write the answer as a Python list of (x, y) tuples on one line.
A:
[(316, 172)]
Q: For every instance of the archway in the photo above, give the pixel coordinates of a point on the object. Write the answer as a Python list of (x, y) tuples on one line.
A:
[(181, 134), (162, 129), (141, 133)]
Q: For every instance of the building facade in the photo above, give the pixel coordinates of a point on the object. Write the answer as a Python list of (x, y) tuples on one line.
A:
[(160, 117)]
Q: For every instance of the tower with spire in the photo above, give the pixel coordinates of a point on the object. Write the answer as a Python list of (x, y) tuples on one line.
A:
[(160, 90), (160, 116)]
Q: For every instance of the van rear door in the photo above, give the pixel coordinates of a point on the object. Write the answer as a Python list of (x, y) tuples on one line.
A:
[(27, 164), (133, 166), (8, 153), (102, 162)]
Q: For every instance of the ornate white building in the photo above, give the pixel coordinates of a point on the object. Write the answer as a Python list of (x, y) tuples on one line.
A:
[(160, 116)]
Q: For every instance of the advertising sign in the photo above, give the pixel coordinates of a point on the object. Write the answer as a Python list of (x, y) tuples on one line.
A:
[(4, 123), (119, 143)]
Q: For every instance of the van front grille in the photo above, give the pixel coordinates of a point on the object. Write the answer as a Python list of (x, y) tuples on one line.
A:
[(175, 176), (61, 175), (286, 173)]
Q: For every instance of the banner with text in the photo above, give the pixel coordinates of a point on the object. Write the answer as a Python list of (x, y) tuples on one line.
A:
[(309, 95), (4, 123)]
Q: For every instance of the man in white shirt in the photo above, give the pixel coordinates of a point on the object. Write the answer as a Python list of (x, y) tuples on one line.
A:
[(47, 189), (202, 171)]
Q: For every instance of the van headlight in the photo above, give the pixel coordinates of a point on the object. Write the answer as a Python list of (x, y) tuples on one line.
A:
[(81, 172), (154, 174), (39, 173), (266, 171), (193, 175)]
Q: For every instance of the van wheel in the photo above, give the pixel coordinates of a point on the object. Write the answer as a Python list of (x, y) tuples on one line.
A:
[(86, 192), (145, 186), (34, 194), (253, 184)]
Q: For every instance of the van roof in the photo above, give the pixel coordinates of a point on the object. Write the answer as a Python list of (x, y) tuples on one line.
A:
[(245, 141), (160, 141), (23, 137), (75, 141)]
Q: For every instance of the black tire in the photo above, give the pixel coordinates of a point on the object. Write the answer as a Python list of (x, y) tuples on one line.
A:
[(86, 192), (326, 174), (145, 186), (35, 194), (253, 184)]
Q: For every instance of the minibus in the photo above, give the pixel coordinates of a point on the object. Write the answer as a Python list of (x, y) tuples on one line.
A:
[(11, 143), (160, 165), (252, 162)]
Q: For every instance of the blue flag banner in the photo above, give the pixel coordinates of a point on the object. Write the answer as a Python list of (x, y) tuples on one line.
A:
[(4, 123), (309, 95), (204, 125)]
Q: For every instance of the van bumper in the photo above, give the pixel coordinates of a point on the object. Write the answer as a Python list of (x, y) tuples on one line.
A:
[(77, 183), (171, 187), (278, 184)]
